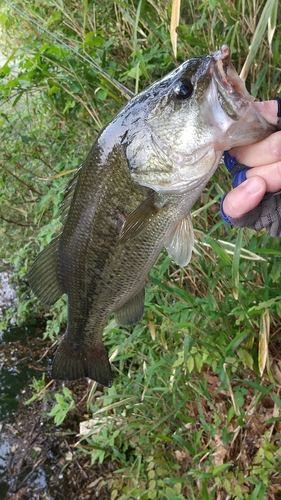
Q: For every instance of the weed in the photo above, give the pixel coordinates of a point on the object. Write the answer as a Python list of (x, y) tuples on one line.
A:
[(64, 403)]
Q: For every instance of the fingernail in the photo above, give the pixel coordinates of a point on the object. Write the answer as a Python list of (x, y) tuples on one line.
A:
[(252, 186)]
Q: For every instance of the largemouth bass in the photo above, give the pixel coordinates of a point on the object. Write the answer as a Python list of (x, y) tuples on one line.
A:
[(132, 196)]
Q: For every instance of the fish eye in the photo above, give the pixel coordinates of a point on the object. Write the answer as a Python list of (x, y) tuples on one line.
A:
[(183, 89)]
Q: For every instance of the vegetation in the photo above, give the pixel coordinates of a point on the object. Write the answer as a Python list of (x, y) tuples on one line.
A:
[(194, 411)]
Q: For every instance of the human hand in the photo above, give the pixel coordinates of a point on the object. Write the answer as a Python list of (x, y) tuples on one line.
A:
[(241, 206)]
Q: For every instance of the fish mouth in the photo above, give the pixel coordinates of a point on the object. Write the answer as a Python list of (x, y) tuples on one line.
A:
[(232, 92)]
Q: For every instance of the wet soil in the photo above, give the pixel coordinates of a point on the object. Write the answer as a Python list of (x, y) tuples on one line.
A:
[(37, 459)]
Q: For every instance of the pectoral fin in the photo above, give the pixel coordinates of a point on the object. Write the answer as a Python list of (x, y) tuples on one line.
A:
[(44, 276), (132, 311), (180, 243), (138, 220)]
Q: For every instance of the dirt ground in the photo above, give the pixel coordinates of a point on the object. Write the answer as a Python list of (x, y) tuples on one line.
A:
[(41, 462), (37, 459)]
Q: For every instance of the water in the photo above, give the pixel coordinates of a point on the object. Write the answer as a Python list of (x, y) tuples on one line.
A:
[(16, 363), (4, 453), (17, 369), (7, 293)]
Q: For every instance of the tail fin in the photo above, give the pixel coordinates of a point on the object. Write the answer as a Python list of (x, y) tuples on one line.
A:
[(72, 364)]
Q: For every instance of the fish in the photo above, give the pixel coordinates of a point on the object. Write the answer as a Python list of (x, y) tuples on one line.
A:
[(132, 197)]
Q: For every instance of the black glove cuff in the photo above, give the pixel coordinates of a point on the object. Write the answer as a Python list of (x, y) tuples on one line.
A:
[(278, 99), (267, 215)]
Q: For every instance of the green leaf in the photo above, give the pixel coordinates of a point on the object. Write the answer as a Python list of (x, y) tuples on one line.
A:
[(102, 94), (246, 357), (269, 251), (256, 386), (216, 470), (67, 392), (276, 399), (238, 339), (176, 291), (3, 18), (187, 345), (267, 304), (221, 253), (56, 16), (236, 263), (276, 270), (190, 364)]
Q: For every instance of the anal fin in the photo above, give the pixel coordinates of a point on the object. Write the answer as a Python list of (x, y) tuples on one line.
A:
[(43, 275), (132, 311), (181, 242)]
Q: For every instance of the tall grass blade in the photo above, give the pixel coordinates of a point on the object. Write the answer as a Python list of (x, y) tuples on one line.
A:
[(85, 12), (236, 263), (272, 24), (175, 18), (267, 16), (263, 341), (232, 396), (136, 24)]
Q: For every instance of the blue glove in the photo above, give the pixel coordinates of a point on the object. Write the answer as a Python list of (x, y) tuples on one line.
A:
[(238, 173)]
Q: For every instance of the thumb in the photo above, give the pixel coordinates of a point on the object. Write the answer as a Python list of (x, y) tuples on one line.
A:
[(243, 198)]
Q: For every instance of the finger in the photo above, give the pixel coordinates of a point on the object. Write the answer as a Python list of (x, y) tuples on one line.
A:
[(262, 153), (271, 174), (245, 197), (268, 109)]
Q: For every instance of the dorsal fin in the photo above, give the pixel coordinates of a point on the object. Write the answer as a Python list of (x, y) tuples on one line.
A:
[(44, 275), (68, 195)]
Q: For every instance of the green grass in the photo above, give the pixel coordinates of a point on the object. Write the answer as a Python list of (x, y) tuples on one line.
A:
[(195, 407)]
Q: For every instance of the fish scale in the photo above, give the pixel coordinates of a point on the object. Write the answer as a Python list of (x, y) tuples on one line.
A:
[(132, 196)]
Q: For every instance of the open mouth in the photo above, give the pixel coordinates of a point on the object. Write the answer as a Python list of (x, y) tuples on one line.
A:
[(227, 74)]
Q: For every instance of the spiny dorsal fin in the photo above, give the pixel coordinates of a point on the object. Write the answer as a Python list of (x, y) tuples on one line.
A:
[(44, 276), (181, 241), (132, 311)]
